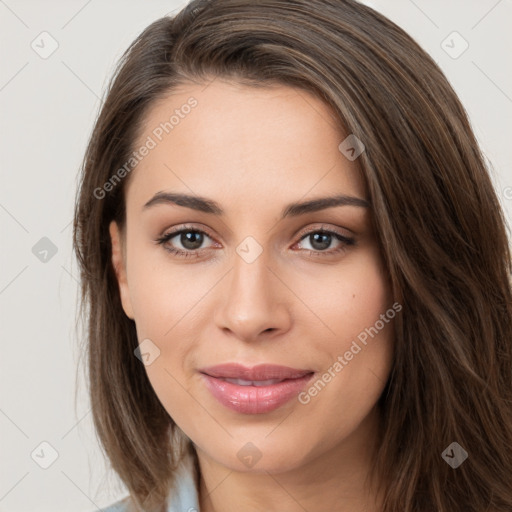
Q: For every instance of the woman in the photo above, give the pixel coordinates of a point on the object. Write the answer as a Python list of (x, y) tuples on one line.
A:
[(295, 270)]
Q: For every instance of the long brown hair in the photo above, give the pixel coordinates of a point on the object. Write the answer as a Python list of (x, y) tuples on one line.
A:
[(440, 226)]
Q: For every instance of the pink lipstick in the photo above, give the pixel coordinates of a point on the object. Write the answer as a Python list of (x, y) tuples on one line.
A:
[(260, 389)]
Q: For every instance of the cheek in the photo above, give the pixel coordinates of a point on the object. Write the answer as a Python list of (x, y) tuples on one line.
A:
[(346, 299), (164, 295), (166, 302), (168, 311), (357, 351), (368, 323), (169, 307)]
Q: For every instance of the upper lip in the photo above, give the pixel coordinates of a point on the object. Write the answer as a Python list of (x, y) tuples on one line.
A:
[(258, 372)]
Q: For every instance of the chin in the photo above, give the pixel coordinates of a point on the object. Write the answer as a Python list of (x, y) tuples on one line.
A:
[(262, 456)]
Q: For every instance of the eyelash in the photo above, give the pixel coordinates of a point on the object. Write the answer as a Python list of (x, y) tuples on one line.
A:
[(194, 253)]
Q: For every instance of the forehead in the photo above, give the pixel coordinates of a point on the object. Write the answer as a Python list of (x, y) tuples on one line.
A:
[(242, 144)]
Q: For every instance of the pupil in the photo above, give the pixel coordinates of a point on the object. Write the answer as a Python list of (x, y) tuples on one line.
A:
[(191, 240), (321, 244)]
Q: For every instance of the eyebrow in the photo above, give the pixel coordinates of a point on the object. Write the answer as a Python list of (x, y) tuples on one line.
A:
[(206, 205)]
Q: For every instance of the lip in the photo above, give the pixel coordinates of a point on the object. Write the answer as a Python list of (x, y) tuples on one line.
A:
[(258, 372), (251, 399)]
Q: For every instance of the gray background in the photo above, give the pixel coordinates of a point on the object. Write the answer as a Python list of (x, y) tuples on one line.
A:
[(48, 106)]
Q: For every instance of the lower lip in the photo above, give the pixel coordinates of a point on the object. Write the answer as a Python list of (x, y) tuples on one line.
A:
[(255, 399)]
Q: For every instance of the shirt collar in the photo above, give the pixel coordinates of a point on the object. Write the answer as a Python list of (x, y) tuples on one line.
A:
[(184, 496)]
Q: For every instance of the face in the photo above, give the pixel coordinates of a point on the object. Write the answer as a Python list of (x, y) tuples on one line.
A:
[(255, 282)]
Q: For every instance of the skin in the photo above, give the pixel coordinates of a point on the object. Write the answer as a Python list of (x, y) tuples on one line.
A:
[(254, 151)]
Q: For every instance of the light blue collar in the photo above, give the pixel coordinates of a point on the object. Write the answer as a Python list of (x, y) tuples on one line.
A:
[(184, 496)]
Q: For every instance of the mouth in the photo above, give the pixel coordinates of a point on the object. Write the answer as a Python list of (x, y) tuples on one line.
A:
[(256, 390), (261, 372)]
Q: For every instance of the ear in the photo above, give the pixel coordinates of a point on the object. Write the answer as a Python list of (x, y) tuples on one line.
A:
[(119, 264)]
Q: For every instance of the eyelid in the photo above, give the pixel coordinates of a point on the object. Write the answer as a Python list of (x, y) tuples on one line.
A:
[(324, 227), (188, 227), (300, 234)]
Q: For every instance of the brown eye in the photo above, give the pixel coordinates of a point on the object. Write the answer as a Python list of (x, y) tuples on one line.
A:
[(322, 239), (188, 240)]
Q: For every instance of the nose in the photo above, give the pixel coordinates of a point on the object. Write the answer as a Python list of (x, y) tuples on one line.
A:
[(254, 303)]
